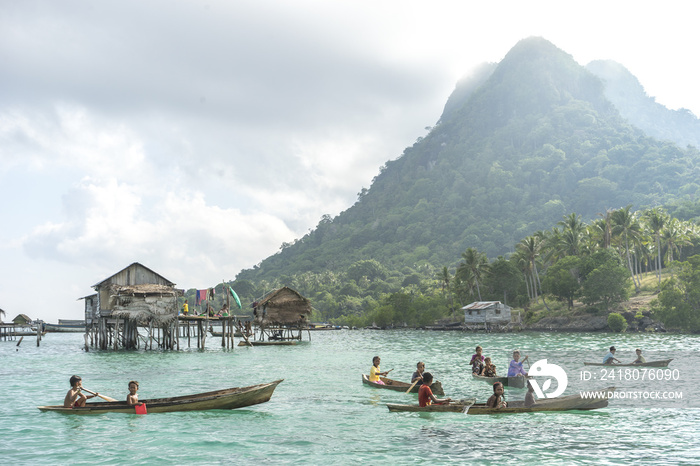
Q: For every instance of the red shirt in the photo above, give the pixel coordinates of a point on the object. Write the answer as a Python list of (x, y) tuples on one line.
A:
[(424, 396)]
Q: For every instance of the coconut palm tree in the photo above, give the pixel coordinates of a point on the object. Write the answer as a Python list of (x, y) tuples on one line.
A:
[(473, 268), (656, 219), (626, 226)]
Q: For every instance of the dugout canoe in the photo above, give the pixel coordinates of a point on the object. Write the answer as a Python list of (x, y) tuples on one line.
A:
[(398, 386), (660, 363), (229, 398), (510, 382), (565, 403), (268, 343)]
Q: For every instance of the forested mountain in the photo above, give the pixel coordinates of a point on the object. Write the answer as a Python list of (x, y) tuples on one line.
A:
[(520, 144), (628, 95)]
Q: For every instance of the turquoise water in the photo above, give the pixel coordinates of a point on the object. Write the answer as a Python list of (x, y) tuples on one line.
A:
[(323, 414)]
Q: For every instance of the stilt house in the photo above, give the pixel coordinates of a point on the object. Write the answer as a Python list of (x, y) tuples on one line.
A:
[(487, 312), (281, 312), (133, 297)]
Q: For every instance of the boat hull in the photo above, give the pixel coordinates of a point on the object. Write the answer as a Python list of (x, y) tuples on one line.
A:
[(660, 363), (230, 398), (566, 403), (510, 382), (390, 384), (268, 343)]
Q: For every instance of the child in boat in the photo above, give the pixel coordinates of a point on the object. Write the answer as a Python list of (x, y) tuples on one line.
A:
[(425, 394), (530, 395), (610, 357), (375, 372), (489, 369), (516, 367), (74, 397), (418, 374), (496, 400), (640, 359), (133, 398), (477, 361)]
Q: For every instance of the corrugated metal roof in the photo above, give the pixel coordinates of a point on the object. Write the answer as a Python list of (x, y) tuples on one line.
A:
[(480, 305)]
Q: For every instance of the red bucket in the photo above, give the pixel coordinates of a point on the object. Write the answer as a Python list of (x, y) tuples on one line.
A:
[(140, 409)]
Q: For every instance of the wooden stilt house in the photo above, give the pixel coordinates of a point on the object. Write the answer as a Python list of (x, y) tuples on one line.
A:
[(281, 315), (132, 299)]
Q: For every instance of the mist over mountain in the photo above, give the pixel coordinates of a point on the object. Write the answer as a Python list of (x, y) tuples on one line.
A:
[(624, 90), (519, 145)]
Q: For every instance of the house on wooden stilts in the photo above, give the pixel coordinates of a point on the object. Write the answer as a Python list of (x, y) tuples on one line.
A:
[(280, 316), (132, 299)]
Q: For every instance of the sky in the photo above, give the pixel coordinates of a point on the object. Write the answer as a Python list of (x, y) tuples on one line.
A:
[(196, 137)]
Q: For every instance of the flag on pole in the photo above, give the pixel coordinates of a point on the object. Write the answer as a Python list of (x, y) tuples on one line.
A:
[(235, 296)]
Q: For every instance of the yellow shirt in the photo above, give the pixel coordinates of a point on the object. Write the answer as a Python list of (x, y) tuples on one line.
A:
[(373, 373), (185, 309)]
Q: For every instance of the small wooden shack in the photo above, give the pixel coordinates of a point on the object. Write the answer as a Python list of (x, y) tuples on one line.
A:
[(22, 319), (134, 297), (280, 314), (487, 312)]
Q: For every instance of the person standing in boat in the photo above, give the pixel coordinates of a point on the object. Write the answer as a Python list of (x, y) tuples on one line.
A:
[(477, 361), (425, 394), (515, 369), (610, 357), (417, 376), (375, 372), (640, 359)]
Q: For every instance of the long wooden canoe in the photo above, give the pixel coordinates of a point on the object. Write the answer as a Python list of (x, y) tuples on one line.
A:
[(229, 398), (398, 386), (660, 363), (268, 342), (565, 403), (511, 382)]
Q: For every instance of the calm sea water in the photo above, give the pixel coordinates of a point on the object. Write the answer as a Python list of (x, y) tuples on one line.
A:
[(323, 414)]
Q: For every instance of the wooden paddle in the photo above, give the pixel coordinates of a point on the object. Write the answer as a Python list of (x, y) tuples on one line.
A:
[(413, 384), (106, 398)]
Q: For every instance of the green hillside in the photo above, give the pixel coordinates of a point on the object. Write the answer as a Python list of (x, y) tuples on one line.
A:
[(519, 145)]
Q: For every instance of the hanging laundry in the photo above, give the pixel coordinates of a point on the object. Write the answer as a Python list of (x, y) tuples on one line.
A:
[(210, 293), (201, 296)]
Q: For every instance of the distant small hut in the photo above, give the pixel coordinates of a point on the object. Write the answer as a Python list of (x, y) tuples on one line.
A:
[(133, 297), (280, 313), (22, 319)]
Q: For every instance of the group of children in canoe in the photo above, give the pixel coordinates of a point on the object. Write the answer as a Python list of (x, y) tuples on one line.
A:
[(480, 366)]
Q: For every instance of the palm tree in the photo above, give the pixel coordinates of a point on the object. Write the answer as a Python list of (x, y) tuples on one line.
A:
[(656, 220), (472, 269), (571, 235), (625, 225), (530, 248)]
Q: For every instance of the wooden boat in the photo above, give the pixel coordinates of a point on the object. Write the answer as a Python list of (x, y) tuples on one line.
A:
[(70, 326), (229, 398), (398, 386), (565, 403), (268, 343), (220, 333), (660, 363), (510, 382)]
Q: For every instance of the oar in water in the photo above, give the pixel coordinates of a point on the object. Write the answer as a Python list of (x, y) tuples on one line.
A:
[(106, 398)]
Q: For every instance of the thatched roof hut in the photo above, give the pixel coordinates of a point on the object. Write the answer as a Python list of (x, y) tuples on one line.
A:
[(22, 319), (144, 303), (282, 307)]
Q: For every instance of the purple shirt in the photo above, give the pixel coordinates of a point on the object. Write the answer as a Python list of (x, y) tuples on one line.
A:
[(516, 368)]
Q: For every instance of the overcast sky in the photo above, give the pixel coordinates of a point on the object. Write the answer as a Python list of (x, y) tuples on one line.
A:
[(195, 137)]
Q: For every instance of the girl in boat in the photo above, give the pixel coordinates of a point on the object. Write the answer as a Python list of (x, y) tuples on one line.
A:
[(133, 398), (496, 400), (516, 367), (375, 372), (477, 361)]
